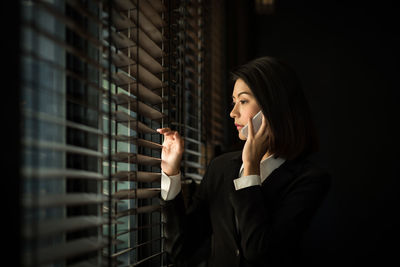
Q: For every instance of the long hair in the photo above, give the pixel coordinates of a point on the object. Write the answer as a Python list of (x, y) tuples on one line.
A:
[(279, 93)]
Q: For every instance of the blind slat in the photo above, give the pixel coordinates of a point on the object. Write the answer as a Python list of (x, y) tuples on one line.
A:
[(140, 91), (146, 60), (136, 193), (146, 43), (192, 152), (151, 12), (121, 40), (128, 83), (147, 78), (124, 5), (145, 110), (129, 121), (34, 55), (134, 229), (194, 176), (127, 157), (121, 60), (67, 250), (147, 26), (193, 164), (72, 50), (149, 144), (139, 210), (55, 226), (139, 176), (191, 140), (70, 23), (122, 78), (157, 5), (61, 147), (51, 173), (121, 21), (71, 199), (138, 142), (123, 43)]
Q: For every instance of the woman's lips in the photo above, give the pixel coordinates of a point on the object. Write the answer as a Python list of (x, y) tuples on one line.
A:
[(238, 126)]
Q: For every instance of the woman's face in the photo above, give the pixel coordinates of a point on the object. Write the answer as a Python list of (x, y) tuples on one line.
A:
[(245, 105)]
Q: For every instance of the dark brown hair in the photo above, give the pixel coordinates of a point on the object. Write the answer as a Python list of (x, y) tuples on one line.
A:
[(279, 93)]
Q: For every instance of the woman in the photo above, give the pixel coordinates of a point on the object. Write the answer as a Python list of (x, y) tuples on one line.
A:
[(252, 206)]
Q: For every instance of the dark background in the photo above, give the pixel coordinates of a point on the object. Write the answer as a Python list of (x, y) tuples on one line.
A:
[(346, 54)]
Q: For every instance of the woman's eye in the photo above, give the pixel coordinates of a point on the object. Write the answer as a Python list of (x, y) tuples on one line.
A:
[(240, 101)]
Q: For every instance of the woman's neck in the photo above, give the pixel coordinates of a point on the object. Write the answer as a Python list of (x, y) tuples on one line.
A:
[(266, 156)]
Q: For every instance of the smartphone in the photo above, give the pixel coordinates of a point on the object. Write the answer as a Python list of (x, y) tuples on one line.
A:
[(257, 120)]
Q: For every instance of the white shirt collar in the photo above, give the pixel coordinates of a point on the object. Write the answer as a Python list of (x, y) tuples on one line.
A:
[(267, 166)]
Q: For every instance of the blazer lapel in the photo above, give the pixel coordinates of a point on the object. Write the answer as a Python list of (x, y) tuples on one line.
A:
[(275, 182), (279, 179), (231, 174)]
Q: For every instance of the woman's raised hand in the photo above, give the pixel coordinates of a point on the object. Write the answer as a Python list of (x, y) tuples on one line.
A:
[(255, 148), (172, 151)]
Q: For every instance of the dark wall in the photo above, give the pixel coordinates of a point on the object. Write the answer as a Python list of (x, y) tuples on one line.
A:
[(346, 55), (10, 134)]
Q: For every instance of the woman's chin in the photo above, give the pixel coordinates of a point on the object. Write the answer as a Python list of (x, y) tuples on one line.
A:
[(242, 137)]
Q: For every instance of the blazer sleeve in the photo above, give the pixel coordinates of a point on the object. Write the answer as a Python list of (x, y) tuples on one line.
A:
[(274, 235), (187, 229)]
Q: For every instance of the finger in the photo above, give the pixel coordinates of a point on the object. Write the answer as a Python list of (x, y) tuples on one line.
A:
[(250, 130), (170, 133), (263, 126), (166, 132), (177, 135), (163, 130), (179, 138), (173, 135), (169, 136)]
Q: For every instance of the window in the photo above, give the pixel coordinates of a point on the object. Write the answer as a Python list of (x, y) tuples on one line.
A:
[(61, 155), (97, 79)]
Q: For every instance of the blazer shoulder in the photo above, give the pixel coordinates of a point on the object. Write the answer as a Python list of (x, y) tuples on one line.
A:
[(312, 171), (226, 157), (223, 162)]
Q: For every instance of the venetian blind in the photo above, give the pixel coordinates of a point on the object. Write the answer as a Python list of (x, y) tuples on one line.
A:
[(194, 158), (188, 82), (138, 92), (62, 155), (93, 93), (98, 77)]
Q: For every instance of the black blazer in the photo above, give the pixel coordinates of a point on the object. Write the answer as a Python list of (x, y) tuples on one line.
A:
[(272, 217)]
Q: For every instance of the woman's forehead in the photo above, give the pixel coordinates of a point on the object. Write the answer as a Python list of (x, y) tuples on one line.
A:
[(240, 88)]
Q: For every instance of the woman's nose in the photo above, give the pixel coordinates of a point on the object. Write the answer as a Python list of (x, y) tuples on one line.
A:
[(233, 113)]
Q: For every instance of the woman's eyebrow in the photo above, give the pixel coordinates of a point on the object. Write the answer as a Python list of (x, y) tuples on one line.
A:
[(241, 93)]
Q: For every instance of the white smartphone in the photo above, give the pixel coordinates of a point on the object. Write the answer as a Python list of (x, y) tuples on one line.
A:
[(257, 120)]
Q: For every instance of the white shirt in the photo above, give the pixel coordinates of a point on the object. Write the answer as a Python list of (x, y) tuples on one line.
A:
[(171, 185)]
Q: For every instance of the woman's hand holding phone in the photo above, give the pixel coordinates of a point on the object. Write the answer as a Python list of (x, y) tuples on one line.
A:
[(256, 120), (255, 148), (172, 151)]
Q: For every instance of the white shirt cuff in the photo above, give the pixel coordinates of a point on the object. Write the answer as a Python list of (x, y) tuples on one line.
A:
[(170, 186), (246, 181)]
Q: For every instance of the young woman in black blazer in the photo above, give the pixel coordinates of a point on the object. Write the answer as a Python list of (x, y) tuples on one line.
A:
[(252, 206)]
